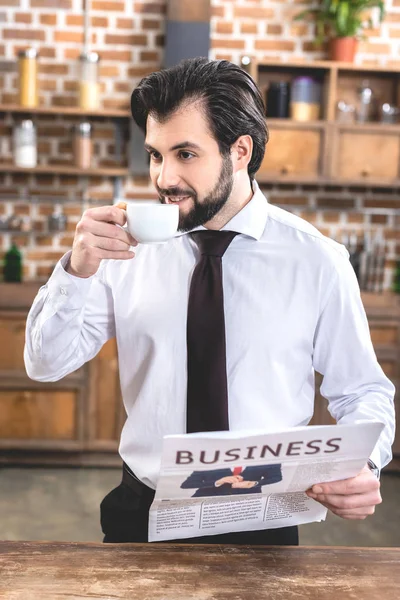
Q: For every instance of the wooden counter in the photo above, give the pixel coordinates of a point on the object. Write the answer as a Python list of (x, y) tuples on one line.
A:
[(45, 571)]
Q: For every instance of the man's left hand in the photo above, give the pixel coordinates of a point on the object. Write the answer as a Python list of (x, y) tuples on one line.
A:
[(353, 498)]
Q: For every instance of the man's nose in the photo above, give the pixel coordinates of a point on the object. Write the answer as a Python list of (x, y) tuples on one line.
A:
[(168, 176)]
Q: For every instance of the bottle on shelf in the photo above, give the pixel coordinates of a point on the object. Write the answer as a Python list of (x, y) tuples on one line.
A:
[(83, 145), (57, 221), (25, 144), (89, 89), (28, 80), (396, 280), (13, 265)]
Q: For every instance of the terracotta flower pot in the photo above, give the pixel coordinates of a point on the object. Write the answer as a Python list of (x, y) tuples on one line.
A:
[(343, 49)]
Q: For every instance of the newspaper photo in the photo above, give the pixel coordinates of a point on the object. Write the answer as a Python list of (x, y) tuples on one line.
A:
[(222, 482)]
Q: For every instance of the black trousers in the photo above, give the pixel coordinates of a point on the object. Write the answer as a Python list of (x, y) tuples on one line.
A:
[(124, 516)]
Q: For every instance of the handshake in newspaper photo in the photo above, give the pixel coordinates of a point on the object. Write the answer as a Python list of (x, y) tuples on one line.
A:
[(239, 480)]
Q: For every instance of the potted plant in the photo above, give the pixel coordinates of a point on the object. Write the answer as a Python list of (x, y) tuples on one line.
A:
[(343, 21)]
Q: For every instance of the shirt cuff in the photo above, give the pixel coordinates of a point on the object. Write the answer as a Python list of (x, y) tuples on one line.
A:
[(64, 288)]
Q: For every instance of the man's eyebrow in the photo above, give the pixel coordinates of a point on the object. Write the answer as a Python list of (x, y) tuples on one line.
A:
[(179, 146)]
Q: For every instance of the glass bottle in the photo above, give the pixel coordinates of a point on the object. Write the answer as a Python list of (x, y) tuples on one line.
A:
[(25, 144), (89, 89), (13, 265), (396, 281), (83, 145), (28, 82)]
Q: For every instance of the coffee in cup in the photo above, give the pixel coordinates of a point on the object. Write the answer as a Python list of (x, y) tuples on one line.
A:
[(151, 222)]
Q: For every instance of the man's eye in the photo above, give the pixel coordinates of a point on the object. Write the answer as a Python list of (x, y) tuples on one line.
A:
[(186, 155), (155, 155)]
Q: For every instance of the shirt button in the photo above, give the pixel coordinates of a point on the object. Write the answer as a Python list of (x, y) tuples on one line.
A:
[(63, 291)]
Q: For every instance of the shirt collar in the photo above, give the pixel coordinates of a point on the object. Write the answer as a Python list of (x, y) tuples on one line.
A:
[(250, 221)]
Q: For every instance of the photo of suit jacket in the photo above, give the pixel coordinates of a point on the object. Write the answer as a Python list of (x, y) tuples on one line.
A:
[(205, 480)]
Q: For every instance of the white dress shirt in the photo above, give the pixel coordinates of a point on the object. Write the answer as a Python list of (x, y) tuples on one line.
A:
[(292, 306)]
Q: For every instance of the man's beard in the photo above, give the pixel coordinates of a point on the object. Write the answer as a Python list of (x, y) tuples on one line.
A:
[(211, 205)]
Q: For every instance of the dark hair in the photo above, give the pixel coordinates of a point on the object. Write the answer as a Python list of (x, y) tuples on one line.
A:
[(232, 100)]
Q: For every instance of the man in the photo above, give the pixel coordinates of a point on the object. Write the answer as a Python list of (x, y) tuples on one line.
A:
[(232, 482), (291, 301)]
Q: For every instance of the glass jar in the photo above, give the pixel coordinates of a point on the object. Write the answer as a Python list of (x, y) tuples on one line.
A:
[(57, 221), (278, 100), (25, 145), (366, 103), (83, 145), (89, 89), (28, 82), (305, 101)]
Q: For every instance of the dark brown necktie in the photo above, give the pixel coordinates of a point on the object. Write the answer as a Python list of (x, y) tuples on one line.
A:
[(207, 390)]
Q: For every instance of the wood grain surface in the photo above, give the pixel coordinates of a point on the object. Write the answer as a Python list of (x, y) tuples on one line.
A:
[(54, 571)]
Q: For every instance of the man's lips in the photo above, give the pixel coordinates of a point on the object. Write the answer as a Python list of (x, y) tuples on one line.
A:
[(176, 199)]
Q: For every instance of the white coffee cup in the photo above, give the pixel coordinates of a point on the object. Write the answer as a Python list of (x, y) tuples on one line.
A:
[(151, 222)]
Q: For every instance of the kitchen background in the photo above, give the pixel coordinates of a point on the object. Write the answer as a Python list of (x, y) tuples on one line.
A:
[(77, 421)]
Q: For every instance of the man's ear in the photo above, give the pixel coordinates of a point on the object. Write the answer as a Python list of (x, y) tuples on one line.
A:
[(241, 152)]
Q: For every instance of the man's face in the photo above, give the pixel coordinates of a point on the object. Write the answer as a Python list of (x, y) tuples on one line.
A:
[(186, 166)]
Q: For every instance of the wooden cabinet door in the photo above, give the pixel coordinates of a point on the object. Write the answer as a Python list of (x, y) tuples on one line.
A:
[(107, 413), (38, 414), (12, 336), (367, 156), (292, 152)]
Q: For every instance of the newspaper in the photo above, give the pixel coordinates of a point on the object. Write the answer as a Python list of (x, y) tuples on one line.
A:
[(221, 482)]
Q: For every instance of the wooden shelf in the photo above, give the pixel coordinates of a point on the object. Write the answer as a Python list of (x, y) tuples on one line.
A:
[(292, 124), (372, 127), (66, 110), (325, 181), (63, 170), (327, 65)]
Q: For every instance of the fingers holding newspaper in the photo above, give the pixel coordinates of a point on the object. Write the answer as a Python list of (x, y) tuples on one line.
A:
[(353, 498), (100, 235)]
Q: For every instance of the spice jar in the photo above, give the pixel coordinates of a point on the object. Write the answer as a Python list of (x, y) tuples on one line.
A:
[(25, 144), (83, 145), (305, 101), (28, 83), (89, 89)]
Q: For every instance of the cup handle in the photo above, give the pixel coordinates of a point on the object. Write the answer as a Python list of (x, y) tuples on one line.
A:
[(123, 206)]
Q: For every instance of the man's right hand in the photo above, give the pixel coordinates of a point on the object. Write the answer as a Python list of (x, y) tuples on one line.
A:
[(229, 479), (98, 237)]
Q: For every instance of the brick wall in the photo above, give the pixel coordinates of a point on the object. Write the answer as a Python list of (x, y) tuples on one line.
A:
[(128, 34)]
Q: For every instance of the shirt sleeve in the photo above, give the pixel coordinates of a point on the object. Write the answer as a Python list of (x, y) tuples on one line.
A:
[(353, 381), (70, 320)]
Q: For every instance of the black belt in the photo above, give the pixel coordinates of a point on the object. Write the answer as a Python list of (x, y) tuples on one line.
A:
[(130, 479)]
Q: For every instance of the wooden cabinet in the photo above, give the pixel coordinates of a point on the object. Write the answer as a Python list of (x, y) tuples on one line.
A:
[(367, 155), (38, 414), (331, 151), (293, 152), (77, 420)]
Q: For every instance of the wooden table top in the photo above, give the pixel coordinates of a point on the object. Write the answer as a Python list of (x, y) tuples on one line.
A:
[(58, 570)]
